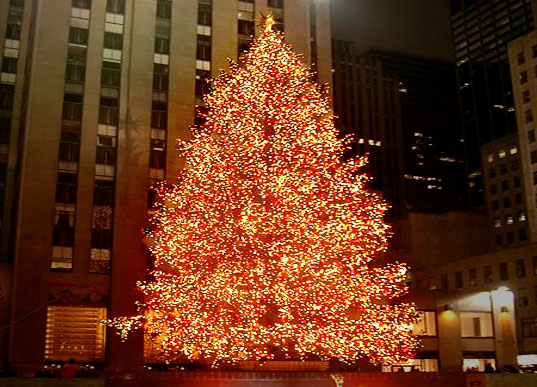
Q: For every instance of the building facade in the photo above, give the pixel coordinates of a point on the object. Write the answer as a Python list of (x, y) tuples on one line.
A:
[(481, 30), (402, 112), (93, 96)]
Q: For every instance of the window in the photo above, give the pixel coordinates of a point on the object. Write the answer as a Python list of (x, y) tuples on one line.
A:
[(520, 58), (516, 181), (520, 268), (533, 156), (505, 185), (458, 279), (108, 115), (503, 169), (203, 85), (534, 265), (509, 219), (205, 12), (75, 331), (526, 96), (13, 32), (164, 9), (528, 116), (203, 48), (78, 36), (510, 237), (245, 27), (426, 324), (111, 74), (529, 326), (115, 6), (472, 277), (534, 51), (476, 324), (63, 236), (495, 205), (499, 240), (66, 188), (102, 218), (534, 177), (9, 65), (506, 202), (160, 82), (487, 274), (497, 222), (531, 136), (492, 172), (99, 261), (522, 236), (444, 281), (103, 193), (69, 152), (493, 189), (105, 155), (521, 216), (523, 77), (101, 239), (157, 155), (113, 41), (514, 165), (275, 3), (86, 4), (75, 73), (523, 301), (162, 46), (504, 274)]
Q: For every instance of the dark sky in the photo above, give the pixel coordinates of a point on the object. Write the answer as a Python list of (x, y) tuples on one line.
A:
[(415, 27)]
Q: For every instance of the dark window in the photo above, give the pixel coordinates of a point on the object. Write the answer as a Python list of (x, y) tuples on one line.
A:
[(115, 6), (82, 4), (203, 50), (75, 73), (533, 156), (526, 96), (159, 119), (111, 74), (518, 198), (78, 36), (534, 265), (108, 115), (506, 202), (495, 205), (458, 279), (205, 12), (72, 111), (520, 268), (504, 273), (499, 240), (162, 46), (503, 169), (528, 116), (516, 181), (6, 100), (535, 177), (113, 41), (101, 239), (63, 236), (203, 85), (523, 77), (523, 301), (510, 237), (160, 82), (9, 65), (164, 9), (487, 274), (534, 51), (246, 27), (493, 189), (514, 165), (103, 193), (105, 155), (531, 136), (444, 281), (520, 58), (505, 185), (17, 3), (13, 31), (66, 191), (492, 172), (522, 236), (69, 152), (275, 3), (529, 326)]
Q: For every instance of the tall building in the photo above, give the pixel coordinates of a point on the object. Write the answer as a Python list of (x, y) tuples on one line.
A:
[(481, 30), (523, 61), (402, 111), (93, 95)]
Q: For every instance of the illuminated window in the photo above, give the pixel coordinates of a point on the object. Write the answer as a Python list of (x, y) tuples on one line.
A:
[(529, 326), (487, 274), (426, 325), (477, 364), (422, 365), (502, 154), (513, 150), (75, 332), (490, 158), (472, 277), (476, 324), (520, 268)]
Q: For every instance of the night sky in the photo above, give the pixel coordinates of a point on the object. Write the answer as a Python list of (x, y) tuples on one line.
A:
[(415, 27)]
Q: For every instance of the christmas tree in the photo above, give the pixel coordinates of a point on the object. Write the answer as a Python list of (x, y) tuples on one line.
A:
[(263, 248)]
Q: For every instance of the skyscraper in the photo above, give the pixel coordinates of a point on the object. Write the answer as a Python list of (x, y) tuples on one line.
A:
[(481, 31), (93, 96), (402, 111)]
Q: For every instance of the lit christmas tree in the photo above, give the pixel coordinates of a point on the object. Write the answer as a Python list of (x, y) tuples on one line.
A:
[(262, 248)]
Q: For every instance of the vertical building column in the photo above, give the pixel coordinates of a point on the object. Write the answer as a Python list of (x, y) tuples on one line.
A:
[(224, 35), (130, 217), (449, 336), (324, 43), (505, 339), (35, 214), (296, 18)]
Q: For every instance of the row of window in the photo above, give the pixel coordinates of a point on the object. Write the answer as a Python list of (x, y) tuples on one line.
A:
[(510, 237), (488, 275), (504, 185)]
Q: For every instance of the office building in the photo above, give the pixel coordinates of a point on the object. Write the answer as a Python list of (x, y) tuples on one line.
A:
[(402, 112), (93, 96), (481, 30)]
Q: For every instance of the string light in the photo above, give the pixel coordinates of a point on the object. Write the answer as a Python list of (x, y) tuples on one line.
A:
[(263, 249)]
